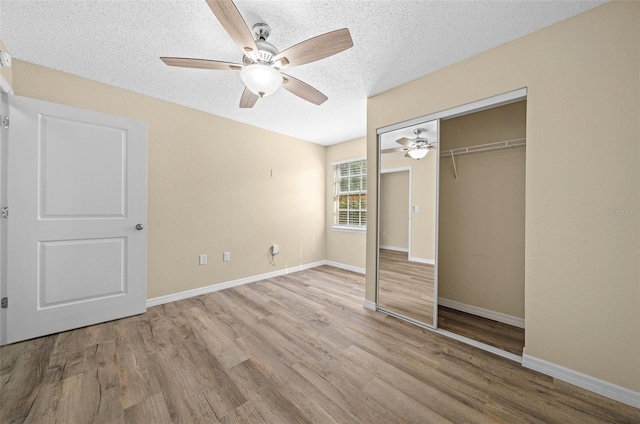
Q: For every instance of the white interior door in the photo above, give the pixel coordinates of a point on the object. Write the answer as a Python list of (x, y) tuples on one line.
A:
[(76, 192)]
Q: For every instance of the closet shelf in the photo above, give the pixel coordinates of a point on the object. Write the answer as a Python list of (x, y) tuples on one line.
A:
[(500, 145)]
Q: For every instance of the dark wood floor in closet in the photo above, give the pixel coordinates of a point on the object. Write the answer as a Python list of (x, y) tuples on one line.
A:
[(292, 349), (496, 334)]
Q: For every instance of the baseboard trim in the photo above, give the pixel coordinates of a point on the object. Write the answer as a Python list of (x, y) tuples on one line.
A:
[(346, 267), (422, 260), (601, 387), (481, 312), (369, 305), (226, 285), (395, 249)]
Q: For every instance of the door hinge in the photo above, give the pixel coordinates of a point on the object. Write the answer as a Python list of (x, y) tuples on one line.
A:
[(5, 121), (4, 303), (5, 212)]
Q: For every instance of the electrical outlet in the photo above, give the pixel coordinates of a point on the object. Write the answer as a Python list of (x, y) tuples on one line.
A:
[(226, 256), (275, 249), (202, 259)]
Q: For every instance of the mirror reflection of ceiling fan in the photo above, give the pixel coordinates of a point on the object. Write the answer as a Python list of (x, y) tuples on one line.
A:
[(415, 148), (261, 60)]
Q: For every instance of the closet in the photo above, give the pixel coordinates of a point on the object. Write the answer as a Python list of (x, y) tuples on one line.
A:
[(460, 270), (482, 225)]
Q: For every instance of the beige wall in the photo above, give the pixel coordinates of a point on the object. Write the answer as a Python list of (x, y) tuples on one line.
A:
[(207, 192), (347, 248), (5, 72), (481, 225), (423, 195), (394, 210), (508, 122), (582, 279)]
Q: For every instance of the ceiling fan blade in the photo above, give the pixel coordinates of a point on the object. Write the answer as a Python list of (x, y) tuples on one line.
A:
[(406, 142), (232, 21), (248, 99), (303, 90), (394, 150), (315, 48), (186, 62)]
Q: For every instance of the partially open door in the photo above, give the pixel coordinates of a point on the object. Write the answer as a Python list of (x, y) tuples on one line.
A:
[(76, 251)]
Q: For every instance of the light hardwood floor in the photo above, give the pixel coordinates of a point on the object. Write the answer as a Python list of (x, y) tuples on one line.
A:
[(293, 349), (406, 287)]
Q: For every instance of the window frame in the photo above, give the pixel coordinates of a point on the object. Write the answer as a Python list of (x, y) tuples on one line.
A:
[(337, 226)]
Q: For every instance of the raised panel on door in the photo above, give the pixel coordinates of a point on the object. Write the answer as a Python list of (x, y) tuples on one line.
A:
[(77, 190), (59, 287), (83, 176)]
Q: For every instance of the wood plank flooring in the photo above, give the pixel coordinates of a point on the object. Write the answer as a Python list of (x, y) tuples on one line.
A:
[(292, 349), (406, 287), (503, 336)]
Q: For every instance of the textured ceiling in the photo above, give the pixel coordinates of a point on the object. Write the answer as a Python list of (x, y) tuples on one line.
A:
[(120, 42)]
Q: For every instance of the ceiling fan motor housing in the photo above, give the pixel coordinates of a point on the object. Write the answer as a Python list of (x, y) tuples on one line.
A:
[(266, 51)]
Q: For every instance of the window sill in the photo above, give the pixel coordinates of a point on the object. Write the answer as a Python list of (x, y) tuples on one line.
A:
[(349, 229)]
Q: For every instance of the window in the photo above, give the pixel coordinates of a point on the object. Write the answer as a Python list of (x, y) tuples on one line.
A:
[(350, 194)]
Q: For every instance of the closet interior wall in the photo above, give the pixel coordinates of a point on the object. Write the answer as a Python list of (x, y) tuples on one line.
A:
[(482, 213)]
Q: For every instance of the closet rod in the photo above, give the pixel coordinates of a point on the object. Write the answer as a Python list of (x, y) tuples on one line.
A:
[(500, 145)]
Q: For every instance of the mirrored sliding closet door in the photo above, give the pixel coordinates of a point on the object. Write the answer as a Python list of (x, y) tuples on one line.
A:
[(407, 222)]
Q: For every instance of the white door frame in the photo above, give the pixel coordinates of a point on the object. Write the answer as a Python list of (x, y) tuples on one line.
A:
[(5, 89), (404, 169)]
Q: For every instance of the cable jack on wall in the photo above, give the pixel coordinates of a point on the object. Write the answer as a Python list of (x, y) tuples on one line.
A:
[(271, 254), (5, 60)]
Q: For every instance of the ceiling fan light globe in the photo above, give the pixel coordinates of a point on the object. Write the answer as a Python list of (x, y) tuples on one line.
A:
[(262, 79), (418, 153)]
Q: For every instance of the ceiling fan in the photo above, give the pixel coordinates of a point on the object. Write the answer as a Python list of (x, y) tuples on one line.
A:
[(416, 148), (262, 62)]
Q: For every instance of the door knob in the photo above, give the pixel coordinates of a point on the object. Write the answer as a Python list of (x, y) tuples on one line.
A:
[(139, 227)]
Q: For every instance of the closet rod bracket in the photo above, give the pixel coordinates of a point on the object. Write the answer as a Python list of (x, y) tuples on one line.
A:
[(453, 161)]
